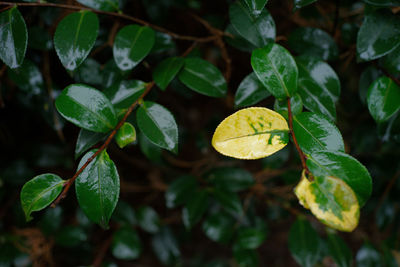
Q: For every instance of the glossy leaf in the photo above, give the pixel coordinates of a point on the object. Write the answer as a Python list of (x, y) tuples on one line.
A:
[(302, 3), (385, 29), (124, 214), (126, 244), (339, 251), (75, 37), (28, 78), (256, 6), (165, 72), (345, 167), (258, 29), (296, 105), (148, 219), (314, 133), (165, 246), (230, 201), (251, 133), (180, 191), (246, 257), (304, 243), (313, 42), (195, 208), (237, 41), (219, 227), (111, 74), (319, 86), (90, 72), (125, 135), (87, 139), (203, 77), (276, 69), (251, 237), (87, 108), (40, 192), (383, 98), (391, 62), (250, 91), (150, 150), (231, 179), (367, 77), (104, 5), (124, 93), (13, 38), (97, 188), (158, 125), (367, 255), (131, 45), (383, 2)]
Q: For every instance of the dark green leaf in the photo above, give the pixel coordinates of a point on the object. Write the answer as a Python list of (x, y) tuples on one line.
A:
[(150, 150), (232, 179), (385, 29), (163, 43), (237, 41), (319, 86), (166, 71), (230, 201), (391, 61), (302, 3), (250, 91), (125, 93), (87, 139), (51, 220), (71, 236), (180, 191), (126, 244), (276, 69), (383, 98), (87, 108), (75, 37), (251, 237), (104, 5), (158, 125), (132, 44), (203, 77), (304, 243), (367, 77), (314, 133), (165, 246), (97, 188), (258, 29), (125, 135), (40, 192), (219, 227), (368, 256), (339, 251), (195, 208), (256, 6), (89, 72), (13, 38), (124, 214), (313, 42), (246, 257), (28, 78), (112, 74), (344, 167), (383, 2), (148, 219), (296, 106)]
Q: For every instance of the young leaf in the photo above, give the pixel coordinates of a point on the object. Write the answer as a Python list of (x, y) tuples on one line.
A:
[(383, 99), (158, 125), (148, 219), (125, 135), (97, 188), (124, 93), (203, 77), (339, 251), (180, 191), (87, 108), (258, 29), (87, 139), (314, 133), (165, 72), (195, 208), (126, 244), (251, 133), (131, 45), (296, 105), (276, 69), (13, 37), (28, 78), (40, 192), (250, 91), (385, 28), (231, 179), (104, 5), (75, 37)]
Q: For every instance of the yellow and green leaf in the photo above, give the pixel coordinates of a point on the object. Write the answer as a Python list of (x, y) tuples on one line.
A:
[(251, 133)]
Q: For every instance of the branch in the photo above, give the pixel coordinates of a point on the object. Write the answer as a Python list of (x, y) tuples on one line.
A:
[(397, 81), (118, 15)]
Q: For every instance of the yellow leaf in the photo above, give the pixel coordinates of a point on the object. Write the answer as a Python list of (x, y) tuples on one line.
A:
[(251, 133), (301, 190)]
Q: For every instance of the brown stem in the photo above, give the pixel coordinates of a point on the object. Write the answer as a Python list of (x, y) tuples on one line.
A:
[(397, 81), (70, 181), (118, 15), (301, 154)]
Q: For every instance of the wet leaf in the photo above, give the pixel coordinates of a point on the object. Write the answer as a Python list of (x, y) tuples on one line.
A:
[(126, 244), (87, 139), (165, 72), (104, 5), (250, 91), (180, 191), (125, 135), (339, 251), (124, 93)]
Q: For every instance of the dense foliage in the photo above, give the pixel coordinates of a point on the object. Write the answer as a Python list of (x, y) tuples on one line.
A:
[(113, 113)]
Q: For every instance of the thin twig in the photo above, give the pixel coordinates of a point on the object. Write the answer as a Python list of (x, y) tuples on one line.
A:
[(397, 81), (102, 251)]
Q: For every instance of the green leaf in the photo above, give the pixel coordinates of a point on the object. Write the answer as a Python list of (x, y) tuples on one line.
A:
[(124, 214), (319, 86), (163, 43), (180, 191), (367, 255), (125, 135), (313, 42), (13, 38), (276, 69), (75, 37), (344, 167), (97, 188), (148, 219), (383, 3), (126, 244), (232, 179), (150, 150), (339, 251), (165, 72), (87, 108), (195, 208), (219, 227), (315, 133), (87, 139), (90, 71), (304, 243), (165, 246), (367, 77), (302, 3), (238, 41), (385, 29), (391, 62), (258, 29), (71, 236), (256, 6), (131, 45), (250, 91), (230, 201), (124, 93), (28, 78), (111, 74), (104, 5), (251, 237), (158, 125), (246, 257), (383, 99), (296, 105), (203, 77)]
